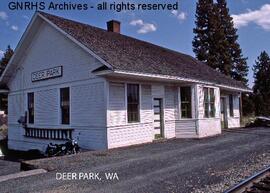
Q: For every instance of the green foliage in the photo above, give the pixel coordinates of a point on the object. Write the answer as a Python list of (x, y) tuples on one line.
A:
[(4, 61), (201, 46), (215, 40), (248, 105), (261, 87)]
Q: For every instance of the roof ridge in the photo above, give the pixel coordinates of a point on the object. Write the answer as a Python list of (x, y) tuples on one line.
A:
[(150, 53), (153, 44)]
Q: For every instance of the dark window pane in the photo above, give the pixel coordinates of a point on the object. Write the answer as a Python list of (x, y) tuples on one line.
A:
[(213, 110), (185, 93), (212, 103), (206, 102), (30, 97), (231, 105), (206, 110), (212, 95), (133, 102), (65, 103)]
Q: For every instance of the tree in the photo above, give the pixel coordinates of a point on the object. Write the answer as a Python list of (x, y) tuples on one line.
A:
[(239, 67), (201, 42), (4, 61), (261, 86), (215, 40)]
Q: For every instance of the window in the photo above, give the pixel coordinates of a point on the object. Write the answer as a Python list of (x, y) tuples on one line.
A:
[(133, 103), (30, 97), (231, 105), (209, 102), (185, 93), (64, 102)]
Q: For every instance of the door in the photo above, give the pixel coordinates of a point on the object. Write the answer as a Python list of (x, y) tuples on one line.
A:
[(223, 111), (158, 118)]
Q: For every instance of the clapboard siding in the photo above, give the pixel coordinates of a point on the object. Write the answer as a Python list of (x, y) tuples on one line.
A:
[(158, 91), (15, 107), (185, 129), (147, 113), (91, 137), (209, 127), (46, 107), (170, 111), (117, 104), (233, 121), (88, 105), (121, 133), (49, 48), (130, 134)]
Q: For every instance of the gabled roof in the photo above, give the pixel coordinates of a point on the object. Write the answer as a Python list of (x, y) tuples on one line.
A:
[(127, 54)]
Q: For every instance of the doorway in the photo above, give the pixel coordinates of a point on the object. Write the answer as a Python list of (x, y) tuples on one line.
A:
[(224, 114), (158, 118)]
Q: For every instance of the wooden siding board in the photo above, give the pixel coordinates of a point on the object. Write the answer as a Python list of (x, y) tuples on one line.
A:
[(87, 105), (48, 49)]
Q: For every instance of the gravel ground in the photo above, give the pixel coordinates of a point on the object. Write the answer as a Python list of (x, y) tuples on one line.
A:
[(181, 165), (9, 167), (236, 174)]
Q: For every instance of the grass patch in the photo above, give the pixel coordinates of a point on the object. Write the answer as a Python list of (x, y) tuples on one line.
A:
[(158, 136)]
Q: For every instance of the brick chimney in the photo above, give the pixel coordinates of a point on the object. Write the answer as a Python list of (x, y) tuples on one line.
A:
[(113, 26)]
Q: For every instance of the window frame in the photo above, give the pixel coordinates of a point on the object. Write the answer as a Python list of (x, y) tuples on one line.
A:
[(32, 121), (209, 112), (186, 102), (62, 121), (138, 105)]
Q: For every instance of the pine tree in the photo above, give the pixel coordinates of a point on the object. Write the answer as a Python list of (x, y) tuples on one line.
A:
[(201, 42), (4, 61), (215, 41), (220, 44), (238, 64), (262, 84)]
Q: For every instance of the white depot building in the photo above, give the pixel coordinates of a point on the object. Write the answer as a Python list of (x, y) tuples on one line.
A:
[(72, 80)]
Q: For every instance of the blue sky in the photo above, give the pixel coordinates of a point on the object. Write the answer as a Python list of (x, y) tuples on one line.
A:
[(169, 29)]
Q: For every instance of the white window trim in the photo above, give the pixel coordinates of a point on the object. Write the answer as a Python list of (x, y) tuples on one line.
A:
[(180, 102), (209, 108)]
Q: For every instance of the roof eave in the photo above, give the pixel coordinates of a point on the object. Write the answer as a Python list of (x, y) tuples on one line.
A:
[(168, 78)]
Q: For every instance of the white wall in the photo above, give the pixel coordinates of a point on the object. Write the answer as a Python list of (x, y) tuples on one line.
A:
[(170, 110), (233, 121), (119, 131), (185, 128), (49, 49), (208, 126)]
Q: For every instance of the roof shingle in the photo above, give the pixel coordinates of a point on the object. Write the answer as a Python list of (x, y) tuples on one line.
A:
[(133, 55)]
